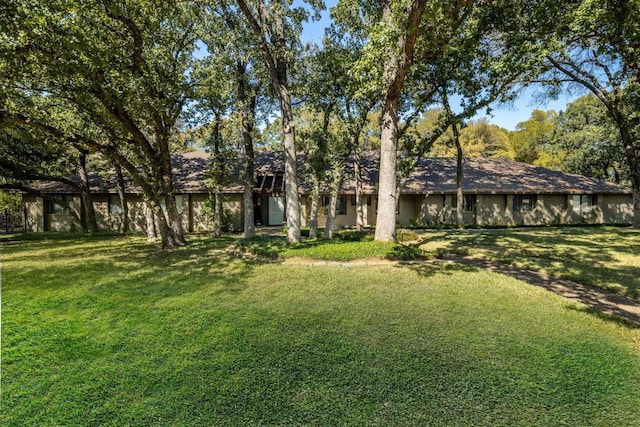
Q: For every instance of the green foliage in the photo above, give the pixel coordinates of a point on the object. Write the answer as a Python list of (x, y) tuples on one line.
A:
[(533, 140), (10, 201), (111, 331), (591, 141)]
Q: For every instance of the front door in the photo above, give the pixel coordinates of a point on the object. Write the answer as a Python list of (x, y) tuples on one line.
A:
[(276, 210)]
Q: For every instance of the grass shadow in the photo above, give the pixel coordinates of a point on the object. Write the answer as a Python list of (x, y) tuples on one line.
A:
[(604, 257)]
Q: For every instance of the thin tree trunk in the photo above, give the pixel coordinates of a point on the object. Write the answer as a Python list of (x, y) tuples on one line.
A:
[(248, 106), (218, 176), (333, 202), (315, 206), (91, 224), (247, 200), (459, 189), (217, 213), (357, 167), (124, 226), (150, 223)]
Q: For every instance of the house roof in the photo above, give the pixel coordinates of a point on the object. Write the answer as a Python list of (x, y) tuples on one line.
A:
[(430, 176), (500, 176)]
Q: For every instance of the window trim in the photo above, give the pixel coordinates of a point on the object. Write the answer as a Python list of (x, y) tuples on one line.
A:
[(521, 207), (115, 208), (467, 199)]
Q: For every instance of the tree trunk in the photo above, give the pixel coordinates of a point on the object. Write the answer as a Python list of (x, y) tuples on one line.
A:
[(217, 212), (162, 227), (315, 206), (357, 168), (150, 223), (459, 189), (124, 226), (274, 50), (331, 214), (174, 222), (386, 218), (333, 202), (90, 223), (248, 106), (247, 201), (398, 59), (290, 170)]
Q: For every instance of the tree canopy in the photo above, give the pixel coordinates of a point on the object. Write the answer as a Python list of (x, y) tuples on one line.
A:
[(133, 81)]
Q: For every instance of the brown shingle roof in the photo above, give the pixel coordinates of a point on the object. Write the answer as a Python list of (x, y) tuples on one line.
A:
[(431, 176)]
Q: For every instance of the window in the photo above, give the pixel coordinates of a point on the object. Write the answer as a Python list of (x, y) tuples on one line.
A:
[(178, 200), (468, 204), (353, 200), (341, 205), (524, 202), (583, 203), (61, 205), (115, 204)]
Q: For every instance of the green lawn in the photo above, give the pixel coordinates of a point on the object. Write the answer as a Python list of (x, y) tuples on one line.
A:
[(605, 257), (113, 331)]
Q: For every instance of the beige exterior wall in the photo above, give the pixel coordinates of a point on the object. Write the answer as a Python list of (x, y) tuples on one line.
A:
[(434, 209), (409, 209), (492, 210), (195, 217), (430, 210), (347, 220), (196, 214), (617, 209), (554, 209), (34, 208)]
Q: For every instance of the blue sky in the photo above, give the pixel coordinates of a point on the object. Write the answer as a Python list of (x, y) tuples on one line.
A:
[(506, 116)]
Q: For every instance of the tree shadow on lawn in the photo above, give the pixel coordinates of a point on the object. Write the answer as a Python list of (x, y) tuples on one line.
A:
[(430, 268), (576, 259), (141, 268)]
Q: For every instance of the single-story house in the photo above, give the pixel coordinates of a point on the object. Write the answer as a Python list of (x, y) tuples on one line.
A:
[(497, 192)]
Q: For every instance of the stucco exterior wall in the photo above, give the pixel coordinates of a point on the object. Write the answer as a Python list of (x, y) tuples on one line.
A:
[(491, 209), (617, 209), (34, 210), (421, 210)]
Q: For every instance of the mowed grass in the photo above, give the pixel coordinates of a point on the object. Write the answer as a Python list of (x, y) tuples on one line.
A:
[(344, 247), (113, 331), (605, 257)]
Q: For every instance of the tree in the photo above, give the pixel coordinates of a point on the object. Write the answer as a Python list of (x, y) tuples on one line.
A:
[(589, 45), (342, 107), (590, 140), (28, 157), (239, 68), (109, 77), (421, 49), (530, 139), (276, 27)]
